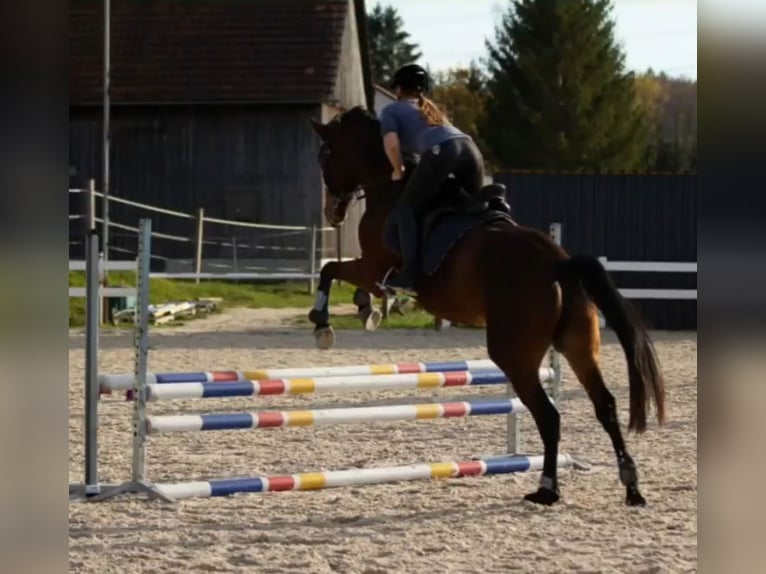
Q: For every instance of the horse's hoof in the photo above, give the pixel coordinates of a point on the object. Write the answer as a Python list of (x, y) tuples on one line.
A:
[(543, 496), (325, 337), (634, 498), (371, 319)]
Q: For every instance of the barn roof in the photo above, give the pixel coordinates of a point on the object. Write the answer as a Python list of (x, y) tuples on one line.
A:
[(168, 51)]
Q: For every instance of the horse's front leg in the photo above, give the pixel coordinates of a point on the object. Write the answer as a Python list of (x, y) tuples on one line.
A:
[(357, 272)]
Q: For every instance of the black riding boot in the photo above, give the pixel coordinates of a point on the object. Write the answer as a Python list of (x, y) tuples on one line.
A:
[(407, 234)]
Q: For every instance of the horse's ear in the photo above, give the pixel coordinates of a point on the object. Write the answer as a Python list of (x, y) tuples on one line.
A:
[(319, 128)]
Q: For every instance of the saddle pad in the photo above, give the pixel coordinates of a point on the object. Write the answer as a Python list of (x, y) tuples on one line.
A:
[(448, 231)]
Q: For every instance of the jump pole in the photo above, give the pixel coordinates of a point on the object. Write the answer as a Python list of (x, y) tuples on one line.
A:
[(357, 476), (334, 416), (110, 382), (305, 386)]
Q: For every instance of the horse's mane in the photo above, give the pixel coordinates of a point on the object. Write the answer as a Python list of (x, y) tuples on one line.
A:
[(355, 115)]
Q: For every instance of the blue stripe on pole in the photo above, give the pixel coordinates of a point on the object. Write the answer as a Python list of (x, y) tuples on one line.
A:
[(227, 421), (181, 377), (448, 366), (239, 389), (228, 486), (493, 407), (507, 465), (489, 378)]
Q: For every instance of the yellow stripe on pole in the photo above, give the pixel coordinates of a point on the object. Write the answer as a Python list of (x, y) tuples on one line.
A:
[(302, 386), (429, 380), (256, 375), (383, 369), (443, 470), (311, 480), (300, 418), (428, 411)]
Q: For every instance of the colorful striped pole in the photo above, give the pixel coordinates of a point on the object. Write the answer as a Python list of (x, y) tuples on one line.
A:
[(125, 381), (355, 477), (273, 419), (328, 384)]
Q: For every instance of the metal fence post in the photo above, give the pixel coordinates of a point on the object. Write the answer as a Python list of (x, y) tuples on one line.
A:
[(200, 237), (92, 317), (103, 277), (91, 205), (234, 263)]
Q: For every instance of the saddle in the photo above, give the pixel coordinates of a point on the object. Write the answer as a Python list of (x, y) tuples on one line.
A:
[(488, 204), (449, 217)]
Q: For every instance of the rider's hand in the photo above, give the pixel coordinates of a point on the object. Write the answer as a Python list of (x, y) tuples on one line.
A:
[(397, 174)]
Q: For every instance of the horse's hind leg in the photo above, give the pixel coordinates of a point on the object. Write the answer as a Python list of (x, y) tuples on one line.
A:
[(518, 345), (580, 345), (368, 315)]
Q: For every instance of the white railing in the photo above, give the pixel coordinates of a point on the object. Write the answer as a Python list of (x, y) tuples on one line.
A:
[(652, 267), (79, 292), (309, 273)]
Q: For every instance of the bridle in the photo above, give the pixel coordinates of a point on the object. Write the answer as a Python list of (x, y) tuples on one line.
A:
[(356, 194)]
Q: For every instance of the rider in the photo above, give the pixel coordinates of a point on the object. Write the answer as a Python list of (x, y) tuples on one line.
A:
[(415, 125)]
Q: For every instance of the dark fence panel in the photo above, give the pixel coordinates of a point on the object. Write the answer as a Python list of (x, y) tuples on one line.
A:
[(625, 217), (249, 163)]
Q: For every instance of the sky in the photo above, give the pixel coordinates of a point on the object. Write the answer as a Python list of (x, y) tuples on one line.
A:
[(661, 34)]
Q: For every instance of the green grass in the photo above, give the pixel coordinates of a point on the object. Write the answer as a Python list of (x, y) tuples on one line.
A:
[(252, 295), (413, 319)]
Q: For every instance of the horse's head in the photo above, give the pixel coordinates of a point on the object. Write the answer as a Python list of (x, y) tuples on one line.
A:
[(351, 157)]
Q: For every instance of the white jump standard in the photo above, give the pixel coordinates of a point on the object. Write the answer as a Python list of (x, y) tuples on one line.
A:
[(146, 387)]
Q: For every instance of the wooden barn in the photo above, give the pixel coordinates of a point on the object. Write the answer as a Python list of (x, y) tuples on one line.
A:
[(211, 102)]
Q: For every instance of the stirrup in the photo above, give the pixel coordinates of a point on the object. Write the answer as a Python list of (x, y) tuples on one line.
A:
[(389, 290)]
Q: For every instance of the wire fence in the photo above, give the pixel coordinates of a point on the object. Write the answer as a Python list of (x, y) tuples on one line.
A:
[(215, 248)]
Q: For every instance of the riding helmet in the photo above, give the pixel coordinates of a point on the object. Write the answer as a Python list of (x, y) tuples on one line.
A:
[(411, 77)]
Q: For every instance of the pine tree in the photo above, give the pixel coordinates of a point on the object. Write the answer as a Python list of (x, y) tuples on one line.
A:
[(389, 43), (561, 98)]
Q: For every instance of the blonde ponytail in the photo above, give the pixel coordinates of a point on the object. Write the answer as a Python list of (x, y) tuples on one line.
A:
[(431, 112)]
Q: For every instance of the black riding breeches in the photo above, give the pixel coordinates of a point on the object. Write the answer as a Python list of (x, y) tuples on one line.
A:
[(459, 157)]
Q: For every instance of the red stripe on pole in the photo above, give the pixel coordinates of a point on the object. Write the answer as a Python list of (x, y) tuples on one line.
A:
[(456, 379), (271, 387), (469, 468), (269, 419), (277, 483), (408, 368), (224, 376), (455, 409)]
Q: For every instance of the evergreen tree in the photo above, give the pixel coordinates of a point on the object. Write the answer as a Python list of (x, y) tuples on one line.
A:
[(561, 98), (389, 43)]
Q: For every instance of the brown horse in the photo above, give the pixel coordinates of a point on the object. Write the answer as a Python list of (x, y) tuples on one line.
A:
[(515, 281)]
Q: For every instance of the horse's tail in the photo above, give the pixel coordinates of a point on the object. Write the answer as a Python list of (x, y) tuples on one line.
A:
[(645, 378)]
